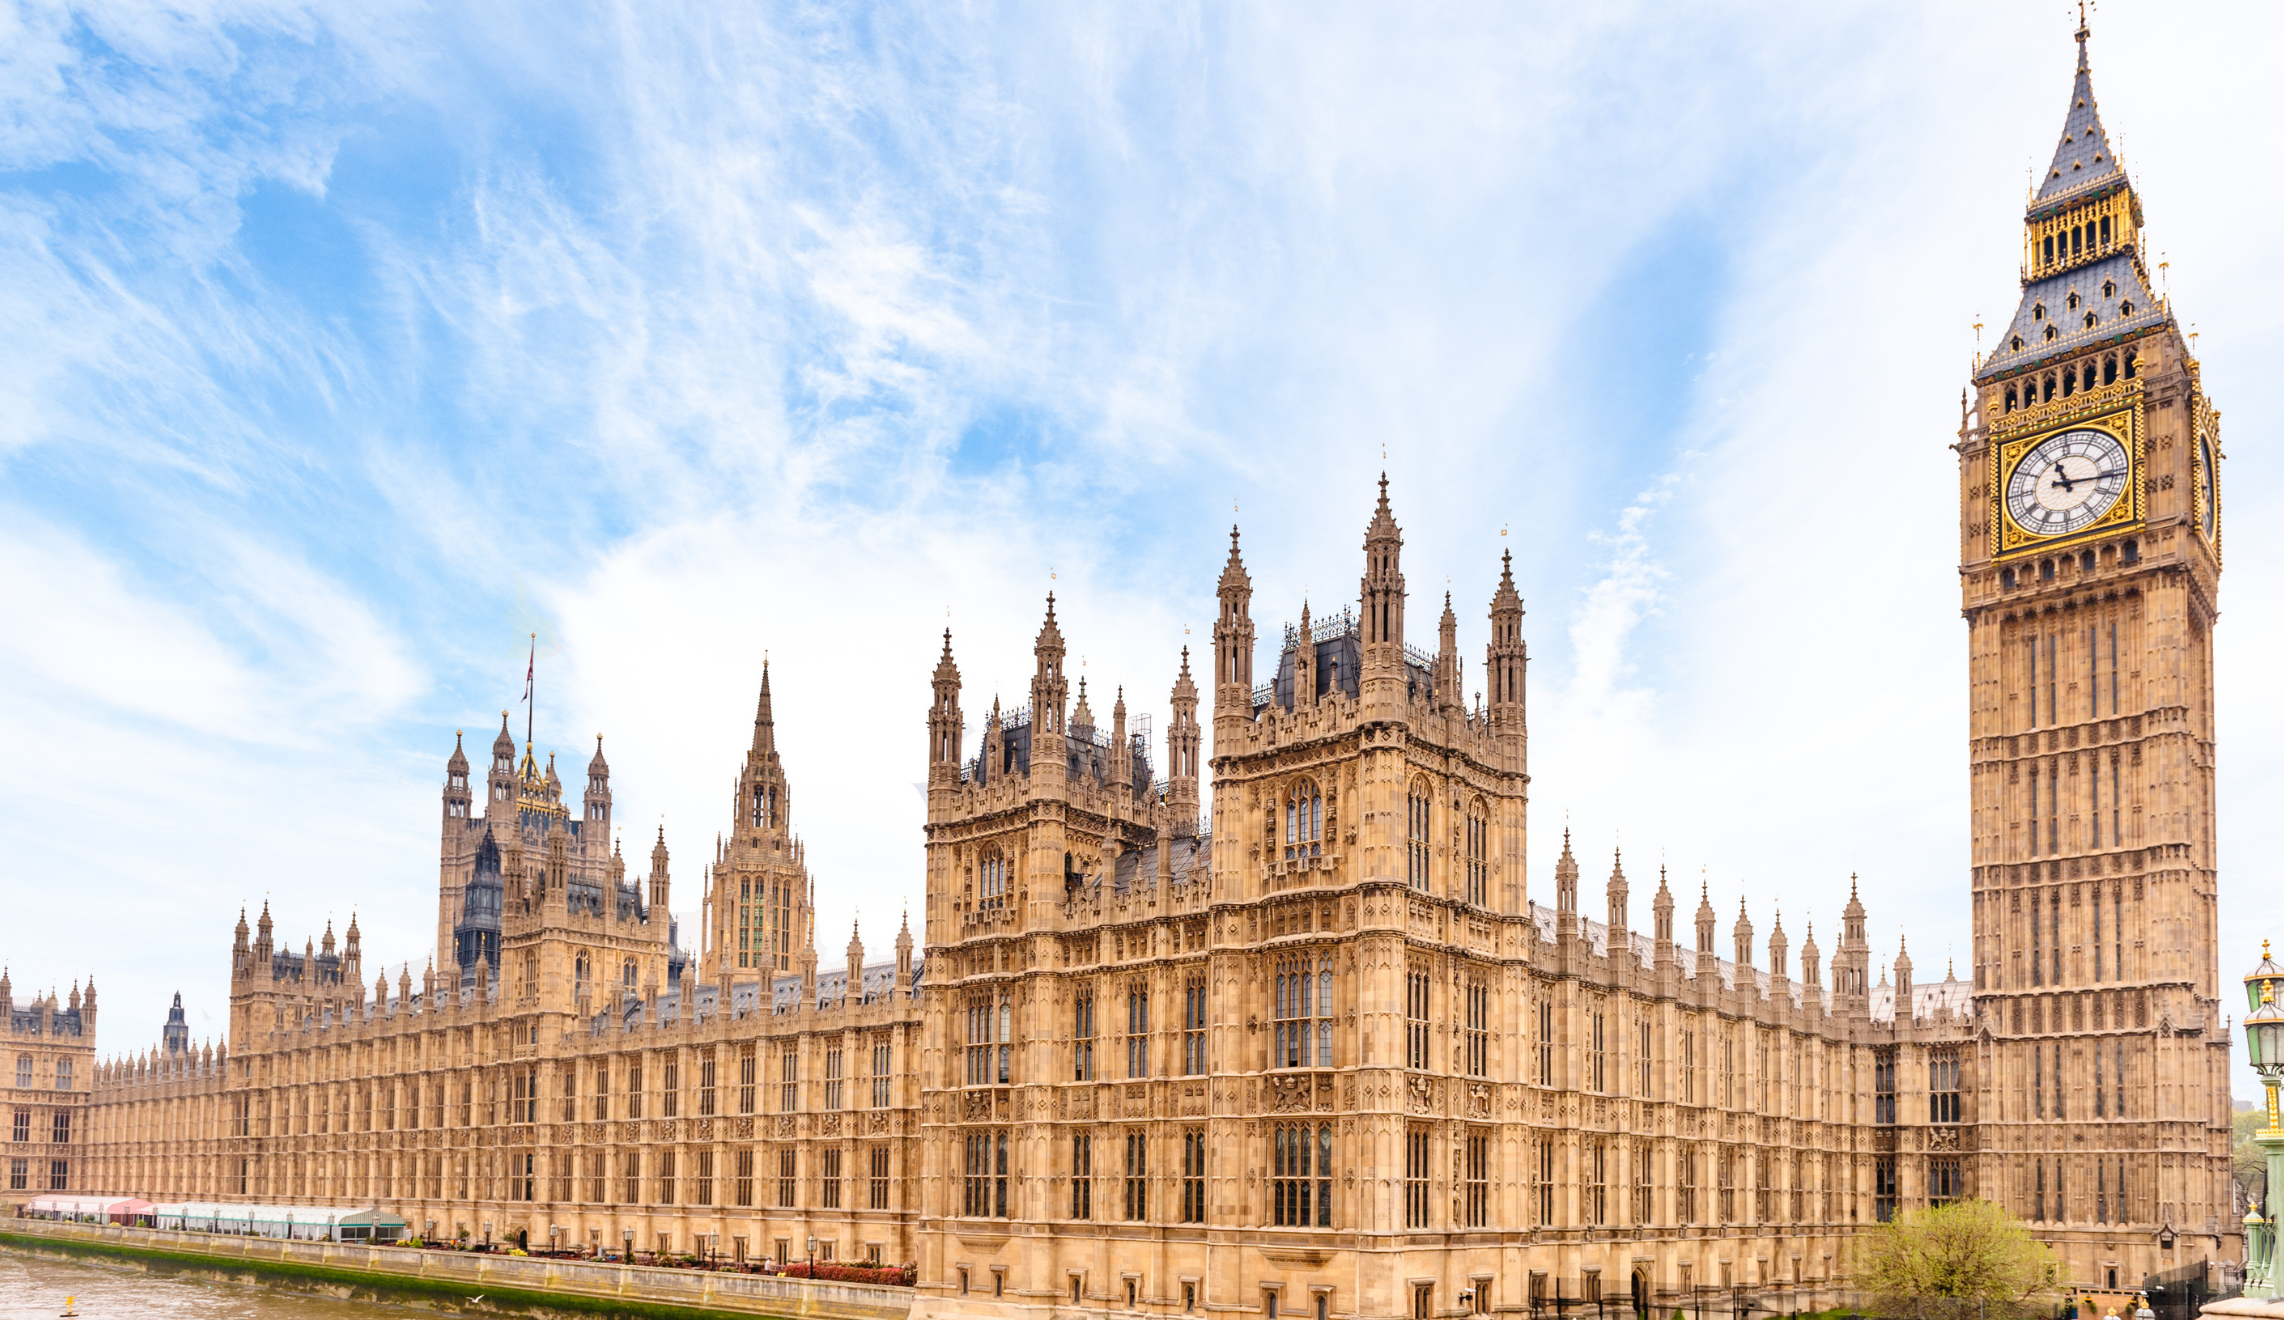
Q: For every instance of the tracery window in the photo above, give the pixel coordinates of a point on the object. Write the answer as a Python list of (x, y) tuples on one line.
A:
[(1416, 999), (1138, 1030), (1302, 997), (1082, 1176), (1300, 1174), (1416, 1177), (986, 1183), (1137, 1184), (1082, 1036), (990, 1031), (1304, 821), (1943, 1086), (1193, 1025), (1477, 847), (1419, 817), (1477, 1174), (1476, 1044), (992, 878)]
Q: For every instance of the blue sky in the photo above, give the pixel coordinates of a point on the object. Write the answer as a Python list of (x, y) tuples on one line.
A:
[(351, 344)]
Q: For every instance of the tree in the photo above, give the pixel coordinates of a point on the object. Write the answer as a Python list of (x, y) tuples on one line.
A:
[(1969, 1260), (2248, 1162)]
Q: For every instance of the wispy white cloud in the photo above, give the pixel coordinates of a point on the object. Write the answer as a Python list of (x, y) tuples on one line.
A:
[(720, 331)]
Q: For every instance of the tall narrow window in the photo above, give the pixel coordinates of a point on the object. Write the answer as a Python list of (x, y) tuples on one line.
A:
[(2061, 1092), (2097, 903), (1597, 1155), (1193, 1176), (1301, 1001), (1082, 1036), (1884, 1190), (1943, 1086), (1415, 1178), (1137, 1030), (2034, 811), (2054, 919), (1193, 1025), (833, 1080), (1597, 1053), (2093, 665), (1478, 1178), (2037, 1082), (881, 1053), (1478, 868), (992, 879), (1542, 1182), (1082, 1177), (788, 1081), (2113, 669), (1137, 1176), (1304, 822), (1476, 1046), (982, 1036), (2037, 939), (746, 1064), (1417, 836), (879, 1180), (1685, 1186), (2101, 1096), (986, 1183), (1544, 1011), (1688, 1068), (1300, 1175), (2034, 685), (1642, 1059), (1883, 1084), (1416, 1018), (829, 1177), (2054, 683)]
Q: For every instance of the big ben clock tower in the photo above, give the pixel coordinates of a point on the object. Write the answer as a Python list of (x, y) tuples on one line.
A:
[(2089, 569)]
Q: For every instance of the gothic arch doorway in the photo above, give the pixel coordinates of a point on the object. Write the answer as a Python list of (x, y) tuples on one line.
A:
[(1641, 1296)]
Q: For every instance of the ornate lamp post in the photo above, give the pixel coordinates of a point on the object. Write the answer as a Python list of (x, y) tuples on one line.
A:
[(2264, 1044)]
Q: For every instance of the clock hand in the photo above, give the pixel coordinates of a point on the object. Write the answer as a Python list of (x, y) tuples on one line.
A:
[(2062, 478)]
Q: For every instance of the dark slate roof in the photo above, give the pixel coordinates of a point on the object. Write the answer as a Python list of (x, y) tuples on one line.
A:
[(2082, 159), (2071, 332)]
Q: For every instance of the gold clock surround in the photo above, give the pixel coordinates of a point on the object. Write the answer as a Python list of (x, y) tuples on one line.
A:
[(2114, 410)]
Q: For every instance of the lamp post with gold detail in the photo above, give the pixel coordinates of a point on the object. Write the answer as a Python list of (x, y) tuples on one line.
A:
[(2264, 1044)]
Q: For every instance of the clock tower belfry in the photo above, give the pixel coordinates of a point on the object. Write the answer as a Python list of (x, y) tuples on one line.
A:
[(2089, 563)]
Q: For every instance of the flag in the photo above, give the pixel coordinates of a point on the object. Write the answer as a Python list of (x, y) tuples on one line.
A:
[(531, 667)]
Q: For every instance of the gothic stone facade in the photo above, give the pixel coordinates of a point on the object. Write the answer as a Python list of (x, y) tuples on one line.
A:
[(1316, 1048), (50, 1073)]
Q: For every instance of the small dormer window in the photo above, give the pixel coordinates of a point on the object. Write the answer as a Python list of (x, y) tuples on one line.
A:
[(2015, 343), (2089, 320), (2125, 309), (2038, 311), (2051, 332), (2073, 300), (2109, 288)]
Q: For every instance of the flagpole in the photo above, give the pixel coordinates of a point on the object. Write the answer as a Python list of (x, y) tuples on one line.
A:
[(530, 704)]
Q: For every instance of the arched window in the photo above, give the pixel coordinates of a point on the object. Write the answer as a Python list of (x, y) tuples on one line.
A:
[(2072, 300), (1302, 1000), (1477, 881), (579, 969), (2038, 311), (2089, 320), (992, 875), (1416, 833), (2109, 369), (2052, 334), (2109, 287), (2010, 398), (626, 974), (1304, 821)]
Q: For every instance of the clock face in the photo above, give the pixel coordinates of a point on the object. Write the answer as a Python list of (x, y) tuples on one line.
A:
[(2067, 481), (2205, 484)]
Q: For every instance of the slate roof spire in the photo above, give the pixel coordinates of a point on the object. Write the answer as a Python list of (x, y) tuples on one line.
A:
[(2082, 159)]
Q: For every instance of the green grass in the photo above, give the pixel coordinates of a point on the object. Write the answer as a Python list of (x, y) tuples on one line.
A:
[(363, 1285)]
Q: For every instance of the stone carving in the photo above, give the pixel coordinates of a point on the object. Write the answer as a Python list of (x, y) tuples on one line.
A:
[(1420, 1095), (1479, 1101), (829, 1124), (978, 1106), (1289, 1092)]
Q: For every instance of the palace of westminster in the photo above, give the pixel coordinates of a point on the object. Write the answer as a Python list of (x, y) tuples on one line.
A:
[(1314, 1045)]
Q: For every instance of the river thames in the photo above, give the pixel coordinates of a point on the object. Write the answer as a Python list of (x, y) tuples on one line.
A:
[(33, 1289)]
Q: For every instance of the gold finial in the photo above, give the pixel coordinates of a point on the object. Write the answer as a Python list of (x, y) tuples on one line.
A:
[(2267, 992)]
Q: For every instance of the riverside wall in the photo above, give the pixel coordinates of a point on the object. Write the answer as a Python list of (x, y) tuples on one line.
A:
[(530, 1285)]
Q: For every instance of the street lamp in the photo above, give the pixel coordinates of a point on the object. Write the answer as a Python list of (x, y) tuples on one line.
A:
[(2264, 1045)]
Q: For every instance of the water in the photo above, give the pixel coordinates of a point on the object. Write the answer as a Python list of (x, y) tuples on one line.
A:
[(32, 1289)]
